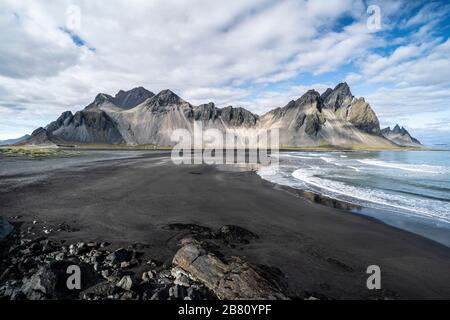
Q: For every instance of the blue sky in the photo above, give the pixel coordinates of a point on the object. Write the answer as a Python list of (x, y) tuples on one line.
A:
[(258, 54)]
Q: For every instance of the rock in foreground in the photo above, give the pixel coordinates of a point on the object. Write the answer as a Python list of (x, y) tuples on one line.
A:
[(231, 279)]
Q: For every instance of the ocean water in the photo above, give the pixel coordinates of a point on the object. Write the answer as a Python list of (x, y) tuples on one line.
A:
[(406, 189)]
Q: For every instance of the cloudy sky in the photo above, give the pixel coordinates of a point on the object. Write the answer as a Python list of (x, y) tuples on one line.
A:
[(258, 54)]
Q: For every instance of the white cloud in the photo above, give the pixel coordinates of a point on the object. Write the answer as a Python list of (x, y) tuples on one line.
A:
[(331, 51), (410, 65), (202, 49), (410, 84), (269, 99), (390, 102), (229, 52), (430, 13), (31, 43), (223, 96)]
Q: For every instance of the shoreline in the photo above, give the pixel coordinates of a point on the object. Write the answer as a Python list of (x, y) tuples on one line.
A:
[(349, 208), (145, 147), (415, 226), (321, 251), (435, 230)]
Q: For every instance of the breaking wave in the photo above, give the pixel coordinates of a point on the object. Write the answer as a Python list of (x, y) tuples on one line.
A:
[(382, 200), (404, 184), (407, 167)]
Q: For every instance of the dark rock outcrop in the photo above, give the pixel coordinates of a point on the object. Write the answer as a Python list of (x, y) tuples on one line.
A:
[(132, 98), (99, 100), (324, 96), (204, 112), (41, 136), (87, 126), (313, 123), (165, 98), (35, 268), (362, 116), (62, 120), (311, 97), (236, 117), (305, 112), (123, 99), (50, 281), (230, 279), (340, 96)]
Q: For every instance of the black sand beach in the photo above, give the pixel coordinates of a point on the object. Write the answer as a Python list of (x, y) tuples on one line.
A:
[(320, 250)]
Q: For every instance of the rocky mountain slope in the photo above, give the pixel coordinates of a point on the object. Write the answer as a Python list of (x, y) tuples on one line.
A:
[(122, 100), (87, 126), (137, 116), (153, 121), (399, 135), (41, 137), (334, 118)]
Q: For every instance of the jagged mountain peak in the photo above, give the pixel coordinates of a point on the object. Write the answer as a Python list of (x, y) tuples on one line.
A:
[(397, 129), (343, 88), (340, 96), (308, 97), (400, 130), (166, 97), (59, 122), (123, 99), (238, 116), (38, 131), (229, 115), (132, 98), (65, 115), (134, 90), (102, 97), (240, 109), (326, 93), (99, 100), (311, 93), (168, 93), (400, 136)]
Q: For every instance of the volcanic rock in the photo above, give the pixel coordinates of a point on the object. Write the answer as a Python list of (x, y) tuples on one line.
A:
[(234, 278)]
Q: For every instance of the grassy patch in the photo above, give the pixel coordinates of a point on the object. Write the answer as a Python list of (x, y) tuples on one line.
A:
[(36, 152), (118, 147)]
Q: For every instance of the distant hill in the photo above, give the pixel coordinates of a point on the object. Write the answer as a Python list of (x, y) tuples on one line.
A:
[(399, 135), (14, 141)]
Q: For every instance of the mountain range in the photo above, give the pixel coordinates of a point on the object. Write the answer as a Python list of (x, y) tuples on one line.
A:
[(138, 116), (400, 136)]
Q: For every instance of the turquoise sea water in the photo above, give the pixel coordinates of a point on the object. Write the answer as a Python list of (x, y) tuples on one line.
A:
[(407, 189)]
